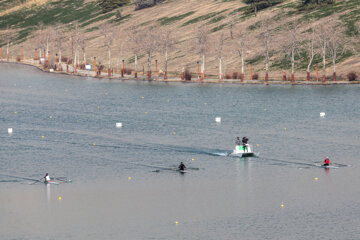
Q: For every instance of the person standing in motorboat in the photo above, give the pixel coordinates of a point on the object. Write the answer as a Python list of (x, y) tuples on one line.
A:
[(238, 141), (244, 143), (182, 166), (47, 178), (326, 162)]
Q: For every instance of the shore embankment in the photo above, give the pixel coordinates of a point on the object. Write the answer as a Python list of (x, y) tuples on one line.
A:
[(69, 70)]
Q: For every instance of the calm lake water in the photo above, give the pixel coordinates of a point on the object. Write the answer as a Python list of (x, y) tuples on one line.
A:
[(66, 126)]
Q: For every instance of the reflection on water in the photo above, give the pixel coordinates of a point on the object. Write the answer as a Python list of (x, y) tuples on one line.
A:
[(124, 183)]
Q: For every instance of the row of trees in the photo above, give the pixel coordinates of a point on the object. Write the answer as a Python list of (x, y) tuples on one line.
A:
[(320, 41)]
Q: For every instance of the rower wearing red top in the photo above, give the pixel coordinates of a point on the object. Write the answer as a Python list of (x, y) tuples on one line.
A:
[(326, 162)]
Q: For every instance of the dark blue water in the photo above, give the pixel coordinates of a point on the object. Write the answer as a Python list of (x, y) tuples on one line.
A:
[(66, 126)]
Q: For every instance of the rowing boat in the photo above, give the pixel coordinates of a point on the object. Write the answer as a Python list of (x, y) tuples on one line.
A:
[(51, 182), (323, 166)]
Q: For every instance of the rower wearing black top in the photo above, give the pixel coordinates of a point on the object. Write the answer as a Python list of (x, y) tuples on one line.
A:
[(244, 142), (182, 166)]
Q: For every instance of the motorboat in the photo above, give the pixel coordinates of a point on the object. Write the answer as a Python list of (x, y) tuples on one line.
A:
[(244, 150)]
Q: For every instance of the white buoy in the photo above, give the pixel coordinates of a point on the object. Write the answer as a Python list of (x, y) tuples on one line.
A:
[(10, 130), (322, 114), (218, 119), (118, 124)]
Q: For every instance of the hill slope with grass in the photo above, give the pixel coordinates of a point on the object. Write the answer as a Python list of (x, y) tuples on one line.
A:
[(224, 21)]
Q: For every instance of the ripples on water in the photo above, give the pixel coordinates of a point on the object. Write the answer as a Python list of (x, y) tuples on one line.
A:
[(163, 124)]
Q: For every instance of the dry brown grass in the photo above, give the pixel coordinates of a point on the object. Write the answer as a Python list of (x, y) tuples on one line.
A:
[(184, 55), (27, 4)]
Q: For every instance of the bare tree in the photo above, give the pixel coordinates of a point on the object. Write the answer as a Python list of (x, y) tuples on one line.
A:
[(266, 36), (240, 49), (231, 24), (135, 41), (309, 47), (291, 47), (167, 42), (219, 50), (336, 45), (148, 42), (83, 47), (8, 36), (108, 32), (75, 43), (202, 45), (323, 38), (59, 32), (45, 36)]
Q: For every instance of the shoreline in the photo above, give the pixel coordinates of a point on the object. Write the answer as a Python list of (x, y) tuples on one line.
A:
[(83, 73)]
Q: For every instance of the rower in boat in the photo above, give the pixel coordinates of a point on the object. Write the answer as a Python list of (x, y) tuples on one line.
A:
[(238, 141), (326, 162), (242, 148), (182, 166), (47, 178), (244, 142)]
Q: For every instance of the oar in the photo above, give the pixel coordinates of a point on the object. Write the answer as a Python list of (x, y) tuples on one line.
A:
[(37, 181)]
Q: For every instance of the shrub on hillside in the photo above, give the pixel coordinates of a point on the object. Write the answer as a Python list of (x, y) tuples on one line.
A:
[(227, 76), (140, 4), (352, 76), (236, 75), (255, 76), (187, 75), (109, 5), (258, 5), (308, 4), (128, 71)]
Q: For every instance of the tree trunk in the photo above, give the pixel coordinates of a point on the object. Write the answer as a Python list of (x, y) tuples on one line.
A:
[(220, 70), (60, 66), (109, 69), (166, 65), (74, 63), (324, 63), (203, 67), (149, 65), (135, 65), (242, 64), (47, 48), (7, 51), (334, 66)]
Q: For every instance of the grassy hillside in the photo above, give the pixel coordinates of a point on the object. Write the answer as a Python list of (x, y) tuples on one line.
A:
[(185, 18)]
